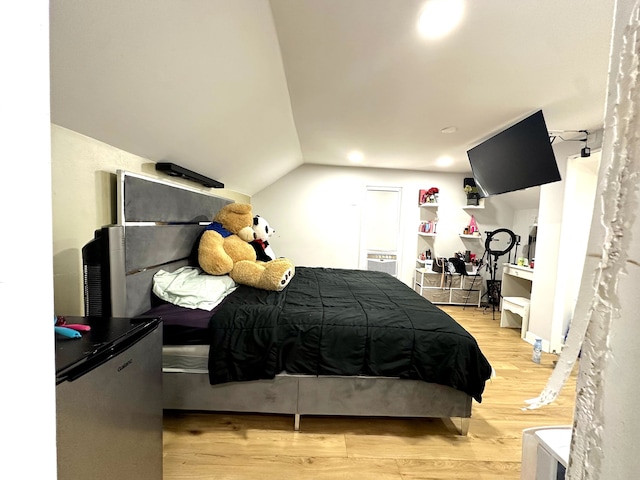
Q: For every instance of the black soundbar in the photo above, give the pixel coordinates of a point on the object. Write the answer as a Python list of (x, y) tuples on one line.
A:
[(178, 171)]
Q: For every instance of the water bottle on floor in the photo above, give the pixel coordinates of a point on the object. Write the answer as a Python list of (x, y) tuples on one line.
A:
[(537, 351)]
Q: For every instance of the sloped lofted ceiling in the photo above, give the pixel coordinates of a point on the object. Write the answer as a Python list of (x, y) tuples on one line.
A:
[(244, 91)]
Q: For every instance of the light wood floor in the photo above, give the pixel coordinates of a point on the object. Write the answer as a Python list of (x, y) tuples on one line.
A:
[(224, 446)]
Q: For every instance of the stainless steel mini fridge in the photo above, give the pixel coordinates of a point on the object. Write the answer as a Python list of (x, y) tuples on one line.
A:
[(109, 400)]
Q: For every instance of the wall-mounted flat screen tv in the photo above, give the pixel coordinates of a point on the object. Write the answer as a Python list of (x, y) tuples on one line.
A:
[(518, 157)]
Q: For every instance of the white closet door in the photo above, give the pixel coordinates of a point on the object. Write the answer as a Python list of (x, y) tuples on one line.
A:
[(380, 231)]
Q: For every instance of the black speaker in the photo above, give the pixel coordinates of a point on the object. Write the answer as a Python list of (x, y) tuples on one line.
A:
[(177, 171)]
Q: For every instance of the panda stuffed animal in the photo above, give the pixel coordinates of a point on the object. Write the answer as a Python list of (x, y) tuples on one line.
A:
[(262, 231)]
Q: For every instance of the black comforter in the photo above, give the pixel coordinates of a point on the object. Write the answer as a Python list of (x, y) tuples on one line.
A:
[(342, 322)]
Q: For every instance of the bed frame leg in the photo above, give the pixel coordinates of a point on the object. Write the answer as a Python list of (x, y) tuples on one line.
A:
[(296, 422), (461, 424)]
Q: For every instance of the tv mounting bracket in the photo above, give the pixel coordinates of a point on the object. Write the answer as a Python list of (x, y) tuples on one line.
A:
[(585, 151)]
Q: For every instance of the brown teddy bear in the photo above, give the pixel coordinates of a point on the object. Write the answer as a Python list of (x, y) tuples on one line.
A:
[(224, 249)]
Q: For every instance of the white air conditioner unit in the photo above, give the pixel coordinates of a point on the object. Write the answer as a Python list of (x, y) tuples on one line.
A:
[(383, 262)]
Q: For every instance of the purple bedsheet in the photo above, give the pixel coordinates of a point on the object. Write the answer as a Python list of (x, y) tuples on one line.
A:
[(183, 326)]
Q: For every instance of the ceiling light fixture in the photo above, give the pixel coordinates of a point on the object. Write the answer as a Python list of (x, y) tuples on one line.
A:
[(355, 156), (449, 130), (444, 161), (439, 17)]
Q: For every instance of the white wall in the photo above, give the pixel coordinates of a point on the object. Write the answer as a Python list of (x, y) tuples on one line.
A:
[(547, 257), (84, 179), (580, 191), (552, 298), (605, 435), (316, 211), (523, 220), (27, 416)]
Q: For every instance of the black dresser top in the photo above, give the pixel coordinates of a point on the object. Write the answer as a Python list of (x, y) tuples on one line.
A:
[(107, 337)]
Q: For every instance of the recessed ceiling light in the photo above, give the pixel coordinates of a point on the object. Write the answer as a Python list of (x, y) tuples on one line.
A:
[(444, 161), (450, 129), (355, 156), (439, 17)]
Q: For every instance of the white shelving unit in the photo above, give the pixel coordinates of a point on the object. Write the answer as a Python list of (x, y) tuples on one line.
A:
[(428, 213), (472, 241), (450, 289)]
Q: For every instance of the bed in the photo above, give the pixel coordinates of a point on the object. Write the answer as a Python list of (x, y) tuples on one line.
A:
[(334, 342)]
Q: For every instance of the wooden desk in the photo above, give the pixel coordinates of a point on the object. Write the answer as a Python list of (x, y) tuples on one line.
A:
[(516, 295)]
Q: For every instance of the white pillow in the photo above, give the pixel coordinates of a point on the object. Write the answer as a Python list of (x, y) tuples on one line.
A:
[(192, 288)]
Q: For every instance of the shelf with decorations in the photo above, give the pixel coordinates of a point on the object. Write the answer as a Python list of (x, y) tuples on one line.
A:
[(471, 230), (426, 232), (430, 281), (471, 237), (470, 234), (480, 206), (474, 199), (427, 228), (428, 197)]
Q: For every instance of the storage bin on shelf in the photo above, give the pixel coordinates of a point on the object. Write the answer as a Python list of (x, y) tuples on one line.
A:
[(452, 289)]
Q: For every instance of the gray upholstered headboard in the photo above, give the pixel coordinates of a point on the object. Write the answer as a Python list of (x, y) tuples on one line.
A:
[(162, 222)]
